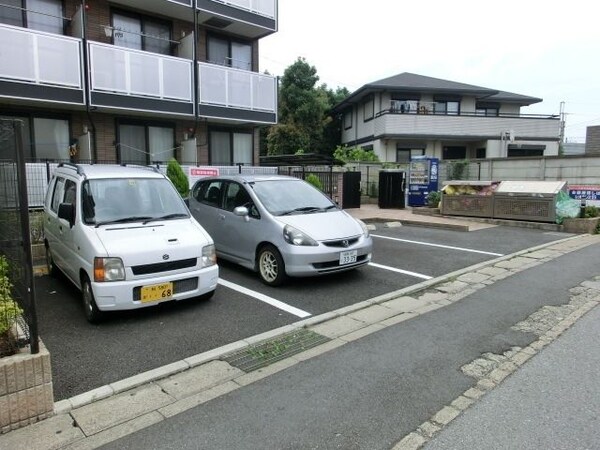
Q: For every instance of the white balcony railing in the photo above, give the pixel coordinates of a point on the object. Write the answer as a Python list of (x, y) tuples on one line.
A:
[(138, 73), (465, 126), (235, 88), (265, 8), (40, 58)]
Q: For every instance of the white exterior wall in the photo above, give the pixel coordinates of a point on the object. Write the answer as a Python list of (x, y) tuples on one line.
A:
[(509, 109)]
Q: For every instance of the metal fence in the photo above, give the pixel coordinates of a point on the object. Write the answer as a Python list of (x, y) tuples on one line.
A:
[(18, 325)]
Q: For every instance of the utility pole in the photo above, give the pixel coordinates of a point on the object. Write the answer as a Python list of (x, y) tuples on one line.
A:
[(562, 123)]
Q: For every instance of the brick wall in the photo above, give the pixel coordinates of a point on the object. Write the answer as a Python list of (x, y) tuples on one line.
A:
[(26, 394)]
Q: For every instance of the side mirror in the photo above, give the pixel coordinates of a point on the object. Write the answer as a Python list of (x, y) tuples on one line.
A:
[(242, 211), (66, 211)]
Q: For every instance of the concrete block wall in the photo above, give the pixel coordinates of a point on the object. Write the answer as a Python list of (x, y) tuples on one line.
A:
[(26, 393), (592, 140)]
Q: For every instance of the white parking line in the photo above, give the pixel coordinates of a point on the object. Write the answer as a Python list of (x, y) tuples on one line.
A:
[(405, 272), (265, 298), (462, 249)]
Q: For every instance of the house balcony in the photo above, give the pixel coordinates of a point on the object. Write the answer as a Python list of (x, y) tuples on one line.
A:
[(177, 9), (252, 19), (236, 95), (465, 126), (150, 83), (40, 67)]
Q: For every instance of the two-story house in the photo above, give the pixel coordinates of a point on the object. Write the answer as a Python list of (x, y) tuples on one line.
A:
[(137, 81), (411, 115)]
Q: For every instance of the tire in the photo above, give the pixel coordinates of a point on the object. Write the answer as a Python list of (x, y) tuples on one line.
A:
[(90, 309), (271, 267), (50, 266)]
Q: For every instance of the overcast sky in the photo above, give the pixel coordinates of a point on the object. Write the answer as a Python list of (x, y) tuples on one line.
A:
[(546, 49)]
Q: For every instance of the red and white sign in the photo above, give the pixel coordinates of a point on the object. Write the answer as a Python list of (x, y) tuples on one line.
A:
[(195, 173)]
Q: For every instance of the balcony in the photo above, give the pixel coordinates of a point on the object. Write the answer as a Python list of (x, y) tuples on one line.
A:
[(122, 78), (465, 126), (177, 9), (40, 67), (238, 95), (252, 19)]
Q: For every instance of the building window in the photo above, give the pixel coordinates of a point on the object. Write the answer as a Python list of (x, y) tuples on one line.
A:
[(141, 33), (515, 151), (450, 108), (41, 15), (405, 154), (368, 109), (404, 106), (491, 112), (228, 148), (45, 138), (145, 143), (348, 119), (228, 52), (480, 153), (454, 152)]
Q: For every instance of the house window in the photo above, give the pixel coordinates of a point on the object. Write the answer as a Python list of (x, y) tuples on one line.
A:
[(348, 119), (229, 148), (228, 52), (450, 108), (480, 153), (141, 33), (492, 112), (404, 106), (515, 151), (405, 154), (41, 15), (45, 138), (454, 152), (144, 143), (368, 109)]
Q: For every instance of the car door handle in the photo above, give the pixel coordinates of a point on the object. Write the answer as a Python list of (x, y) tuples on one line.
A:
[(221, 216)]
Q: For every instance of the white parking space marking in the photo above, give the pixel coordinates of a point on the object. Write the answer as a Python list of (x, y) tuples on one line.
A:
[(405, 272), (449, 247), (265, 298)]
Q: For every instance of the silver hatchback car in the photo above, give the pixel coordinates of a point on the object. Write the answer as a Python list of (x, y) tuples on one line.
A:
[(279, 226)]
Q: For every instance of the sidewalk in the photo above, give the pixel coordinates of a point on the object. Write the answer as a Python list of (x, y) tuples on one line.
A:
[(111, 412)]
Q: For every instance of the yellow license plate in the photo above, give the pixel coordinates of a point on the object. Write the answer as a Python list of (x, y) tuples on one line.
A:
[(156, 292)]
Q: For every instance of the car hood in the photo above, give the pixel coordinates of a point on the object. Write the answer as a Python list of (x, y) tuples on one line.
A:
[(139, 244), (324, 226)]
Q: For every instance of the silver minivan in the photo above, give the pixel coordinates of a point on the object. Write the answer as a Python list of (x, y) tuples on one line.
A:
[(279, 226)]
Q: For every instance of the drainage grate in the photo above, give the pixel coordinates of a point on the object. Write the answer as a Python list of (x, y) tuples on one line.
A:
[(269, 352)]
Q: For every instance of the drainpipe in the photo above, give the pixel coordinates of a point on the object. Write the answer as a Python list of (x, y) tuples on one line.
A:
[(196, 80), (86, 80)]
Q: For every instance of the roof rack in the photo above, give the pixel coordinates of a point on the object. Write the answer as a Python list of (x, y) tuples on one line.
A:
[(71, 165), (141, 166)]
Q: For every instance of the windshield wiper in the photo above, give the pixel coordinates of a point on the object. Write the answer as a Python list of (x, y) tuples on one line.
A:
[(165, 217), (304, 209), (124, 220)]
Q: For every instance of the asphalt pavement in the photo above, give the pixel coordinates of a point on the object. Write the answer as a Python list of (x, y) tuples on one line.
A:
[(459, 361)]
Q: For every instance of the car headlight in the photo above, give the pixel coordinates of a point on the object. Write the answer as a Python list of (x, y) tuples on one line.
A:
[(294, 236), (209, 256), (364, 228), (108, 269)]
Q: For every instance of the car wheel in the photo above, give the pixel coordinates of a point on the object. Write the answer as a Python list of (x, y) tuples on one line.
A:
[(50, 266), (271, 267), (92, 313)]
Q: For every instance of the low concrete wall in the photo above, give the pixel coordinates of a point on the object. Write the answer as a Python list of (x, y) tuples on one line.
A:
[(26, 393), (587, 225)]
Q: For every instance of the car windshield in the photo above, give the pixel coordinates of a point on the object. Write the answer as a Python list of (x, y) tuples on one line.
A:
[(121, 200), (281, 197)]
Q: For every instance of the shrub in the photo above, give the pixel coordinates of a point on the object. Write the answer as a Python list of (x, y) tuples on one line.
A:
[(178, 178), (457, 169), (9, 310), (433, 199), (591, 211), (314, 180)]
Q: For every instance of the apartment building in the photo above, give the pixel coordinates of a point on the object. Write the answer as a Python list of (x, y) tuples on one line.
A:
[(412, 115), (137, 81)]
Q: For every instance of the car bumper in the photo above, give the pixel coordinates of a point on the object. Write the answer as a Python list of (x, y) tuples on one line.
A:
[(123, 295), (303, 261)]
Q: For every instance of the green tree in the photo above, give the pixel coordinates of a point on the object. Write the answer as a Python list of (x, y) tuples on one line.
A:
[(347, 154), (178, 177), (332, 130)]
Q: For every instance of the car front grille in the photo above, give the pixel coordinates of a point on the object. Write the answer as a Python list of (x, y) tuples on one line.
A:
[(179, 287), (164, 266), (341, 243)]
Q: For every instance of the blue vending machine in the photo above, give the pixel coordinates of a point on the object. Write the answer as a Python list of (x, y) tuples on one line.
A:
[(422, 179)]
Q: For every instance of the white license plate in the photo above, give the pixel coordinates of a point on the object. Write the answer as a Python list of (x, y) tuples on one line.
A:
[(348, 257)]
